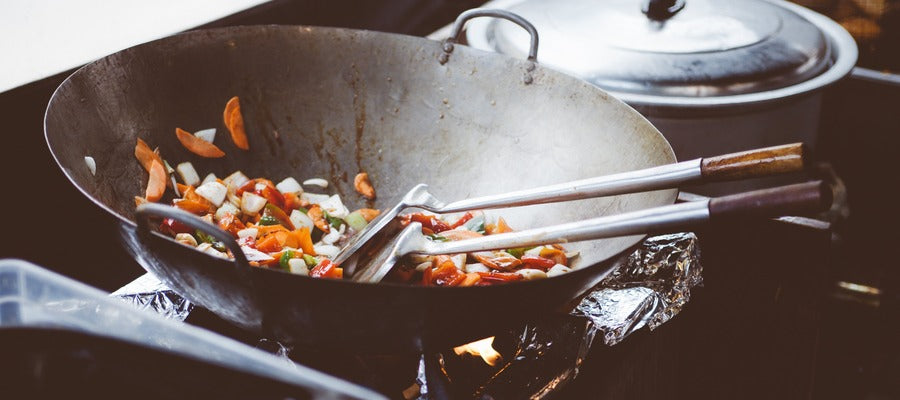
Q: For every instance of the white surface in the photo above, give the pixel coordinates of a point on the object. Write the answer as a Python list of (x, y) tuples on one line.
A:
[(41, 38)]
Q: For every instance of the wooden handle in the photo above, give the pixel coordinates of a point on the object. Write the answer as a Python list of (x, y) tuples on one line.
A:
[(754, 163), (801, 198)]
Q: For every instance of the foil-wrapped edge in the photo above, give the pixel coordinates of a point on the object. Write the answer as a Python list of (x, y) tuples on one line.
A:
[(652, 286), (149, 293)]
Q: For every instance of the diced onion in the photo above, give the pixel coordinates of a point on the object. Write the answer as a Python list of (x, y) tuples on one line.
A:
[(314, 198), (335, 207), (213, 191), (459, 260), (227, 208), (300, 219), (91, 164), (298, 266), (289, 185), (316, 182), (186, 238), (209, 178), (247, 232), (422, 266), (535, 251), (188, 174), (208, 249), (251, 203), (331, 237), (207, 135), (557, 269), (236, 180), (476, 267), (531, 274), (326, 250), (255, 255)]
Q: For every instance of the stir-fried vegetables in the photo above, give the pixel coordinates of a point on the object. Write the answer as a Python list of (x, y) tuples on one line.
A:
[(274, 228), (479, 268), (281, 226)]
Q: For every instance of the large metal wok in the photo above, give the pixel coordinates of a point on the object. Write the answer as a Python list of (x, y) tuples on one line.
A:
[(324, 102)]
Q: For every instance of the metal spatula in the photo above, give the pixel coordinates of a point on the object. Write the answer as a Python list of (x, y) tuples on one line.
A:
[(748, 164), (792, 199)]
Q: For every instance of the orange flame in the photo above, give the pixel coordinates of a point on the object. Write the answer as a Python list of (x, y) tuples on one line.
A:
[(483, 348)]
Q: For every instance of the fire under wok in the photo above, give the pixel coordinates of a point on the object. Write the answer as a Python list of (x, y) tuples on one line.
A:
[(329, 103)]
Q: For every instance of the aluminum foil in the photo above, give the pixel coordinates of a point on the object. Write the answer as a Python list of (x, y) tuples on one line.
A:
[(649, 289), (148, 293)]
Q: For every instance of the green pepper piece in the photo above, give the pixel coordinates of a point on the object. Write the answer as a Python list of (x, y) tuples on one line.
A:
[(285, 258), (333, 221), (202, 237), (438, 238), (268, 220), (516, 252), (356, 221), (280, 216), (309, 260)]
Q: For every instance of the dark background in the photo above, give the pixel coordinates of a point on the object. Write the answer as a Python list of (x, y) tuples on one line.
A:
[(736, 340)]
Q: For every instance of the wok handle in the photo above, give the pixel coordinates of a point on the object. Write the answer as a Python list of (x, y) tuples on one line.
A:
[(755, 163), (748, 164), (785, 200), (801, 198), (145, 211), (460, 22)]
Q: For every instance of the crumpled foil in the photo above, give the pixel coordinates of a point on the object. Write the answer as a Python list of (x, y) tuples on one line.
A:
[(147, 292), (650, 288)]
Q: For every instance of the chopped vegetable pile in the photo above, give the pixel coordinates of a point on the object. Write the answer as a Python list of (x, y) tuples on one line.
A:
[(479, 268), (282, 226)]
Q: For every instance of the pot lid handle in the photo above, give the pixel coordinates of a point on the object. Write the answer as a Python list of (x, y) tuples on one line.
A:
[(661, 10)]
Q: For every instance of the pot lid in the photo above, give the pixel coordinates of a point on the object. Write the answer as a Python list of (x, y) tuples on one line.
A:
[(685, 48)]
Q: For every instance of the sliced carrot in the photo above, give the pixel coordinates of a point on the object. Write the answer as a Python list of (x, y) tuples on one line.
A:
[(190, 194), (269, 244), (264, 230), (285, 239), (232, 103), (471, 279), (198, 146), (304, 240), (501, 227), (234, 121), (194, 207), (146, 156), (156, 185)]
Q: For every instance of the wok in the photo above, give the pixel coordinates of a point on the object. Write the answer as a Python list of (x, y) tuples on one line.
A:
[(330, 102)]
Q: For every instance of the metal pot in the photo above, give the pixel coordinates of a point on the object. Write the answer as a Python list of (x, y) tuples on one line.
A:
[(714, 76)]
